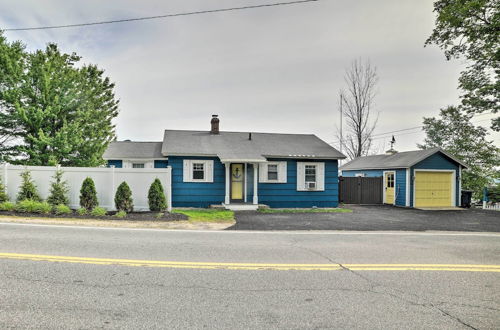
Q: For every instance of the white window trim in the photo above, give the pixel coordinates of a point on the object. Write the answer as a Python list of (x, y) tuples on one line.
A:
[(282, 172), (301, 176), (208, 167)]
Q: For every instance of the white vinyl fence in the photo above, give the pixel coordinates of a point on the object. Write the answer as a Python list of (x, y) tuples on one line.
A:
[(106, 181), (495, 207)]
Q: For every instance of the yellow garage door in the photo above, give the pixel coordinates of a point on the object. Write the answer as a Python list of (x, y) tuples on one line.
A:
[(433, 189)]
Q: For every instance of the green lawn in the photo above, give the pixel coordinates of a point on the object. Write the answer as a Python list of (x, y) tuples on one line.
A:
[(207, 215), (315, 210)]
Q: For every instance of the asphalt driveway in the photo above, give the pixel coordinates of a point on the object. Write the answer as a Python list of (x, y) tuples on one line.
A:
[(368, 218)]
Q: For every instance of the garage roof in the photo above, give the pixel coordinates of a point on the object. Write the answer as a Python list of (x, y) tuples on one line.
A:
[(398, 160)]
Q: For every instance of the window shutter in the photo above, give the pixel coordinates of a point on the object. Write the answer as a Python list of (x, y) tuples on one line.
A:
[(186, 171), (262, 172), (209, 175), (300, 177), (321, 177), (282, 174)]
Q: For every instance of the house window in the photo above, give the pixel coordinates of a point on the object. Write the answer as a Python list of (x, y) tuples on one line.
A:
[(272, 172), (310, 176), (198, 171), (310, 173), (137, 165)]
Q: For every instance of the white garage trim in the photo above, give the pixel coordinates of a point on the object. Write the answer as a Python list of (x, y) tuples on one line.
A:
[(453, 184), (407, 190)]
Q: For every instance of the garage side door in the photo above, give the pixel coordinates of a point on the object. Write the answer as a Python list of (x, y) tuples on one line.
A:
[(433, 189)]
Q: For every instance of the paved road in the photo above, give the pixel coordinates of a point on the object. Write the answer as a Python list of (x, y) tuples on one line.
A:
[(374, 218), (45, 294)]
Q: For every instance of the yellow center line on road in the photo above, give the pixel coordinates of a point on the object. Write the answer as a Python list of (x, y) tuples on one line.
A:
[(252, 266)]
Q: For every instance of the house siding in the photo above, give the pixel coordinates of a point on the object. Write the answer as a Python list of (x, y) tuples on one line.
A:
[(161, 163), (196, 194), (283, 195), (367, 173), (118, 163), (436, 162)]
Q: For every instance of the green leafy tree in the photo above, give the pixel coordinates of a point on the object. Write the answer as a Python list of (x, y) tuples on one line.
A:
[(53, 110), (28, 190), (88, 195), (454, 133), (156, 197), (123, 198), (3, 194), (470, 29), (58, 190)]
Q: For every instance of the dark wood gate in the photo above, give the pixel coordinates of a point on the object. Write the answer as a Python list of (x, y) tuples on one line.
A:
[(360, 190)]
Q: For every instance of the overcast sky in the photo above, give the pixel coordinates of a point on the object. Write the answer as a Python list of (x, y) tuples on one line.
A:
[(273, 69)]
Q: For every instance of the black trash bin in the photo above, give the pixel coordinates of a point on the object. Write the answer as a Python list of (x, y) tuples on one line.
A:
[(466, 198)]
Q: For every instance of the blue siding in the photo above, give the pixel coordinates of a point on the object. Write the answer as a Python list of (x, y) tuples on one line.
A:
[(118, 163), (436, 162), (367, 173), (399, 189), (286, 195), (161, 163), (196, 194), (250, 183)]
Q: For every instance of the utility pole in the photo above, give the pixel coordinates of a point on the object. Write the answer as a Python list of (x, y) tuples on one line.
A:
[(341, 136)]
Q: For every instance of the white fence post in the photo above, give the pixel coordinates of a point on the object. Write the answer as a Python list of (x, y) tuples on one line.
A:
[(169, 188), (112, 191)]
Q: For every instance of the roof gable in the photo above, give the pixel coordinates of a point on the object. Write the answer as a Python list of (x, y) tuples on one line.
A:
[(399, 160), (133, 150)]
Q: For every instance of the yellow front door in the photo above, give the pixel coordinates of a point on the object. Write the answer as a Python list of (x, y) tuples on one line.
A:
[(237, 176), (433, 189), (389, 178)]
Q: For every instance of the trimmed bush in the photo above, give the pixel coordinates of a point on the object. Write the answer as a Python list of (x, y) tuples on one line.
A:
[(123, 198), (62, 209), (88, 195), (3, 194), (156, 197), (121, 214), (31, 206), (7, 206), (27, 190), (98, 212), (81, 211), (58, 190)]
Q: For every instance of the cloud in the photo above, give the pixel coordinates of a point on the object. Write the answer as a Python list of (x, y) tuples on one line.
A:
[(274, 69)]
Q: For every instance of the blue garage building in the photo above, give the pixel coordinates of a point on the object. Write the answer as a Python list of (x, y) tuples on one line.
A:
[(420, 178)]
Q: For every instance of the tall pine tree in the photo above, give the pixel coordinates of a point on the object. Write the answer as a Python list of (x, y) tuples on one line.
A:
[(53, 110)]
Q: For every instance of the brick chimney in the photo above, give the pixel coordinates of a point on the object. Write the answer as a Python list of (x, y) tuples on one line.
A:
[(215, 125)]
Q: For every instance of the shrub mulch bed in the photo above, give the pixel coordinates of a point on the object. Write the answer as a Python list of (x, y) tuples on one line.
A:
[(134, 216)]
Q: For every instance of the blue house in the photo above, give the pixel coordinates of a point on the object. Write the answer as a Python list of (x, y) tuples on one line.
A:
[(238, 169), (421, 178)]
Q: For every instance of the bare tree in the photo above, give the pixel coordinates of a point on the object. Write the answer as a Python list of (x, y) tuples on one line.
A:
[(356, 102)]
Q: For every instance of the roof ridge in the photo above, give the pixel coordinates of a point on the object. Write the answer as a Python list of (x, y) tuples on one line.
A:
[(243, 132)]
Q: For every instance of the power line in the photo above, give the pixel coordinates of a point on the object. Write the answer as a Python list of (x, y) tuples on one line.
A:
[(209, 11), (381, 135)]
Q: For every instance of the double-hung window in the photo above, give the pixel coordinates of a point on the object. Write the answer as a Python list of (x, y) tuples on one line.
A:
[(198, 171), (310, 176), (137, 165), (310, 173), (273, 172)]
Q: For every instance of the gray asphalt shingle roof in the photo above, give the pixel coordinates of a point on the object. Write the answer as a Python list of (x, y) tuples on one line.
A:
[(133, 150), (397, 160), (235, 146)]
